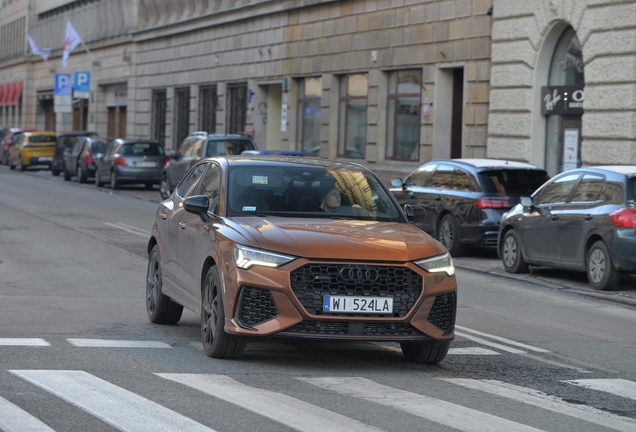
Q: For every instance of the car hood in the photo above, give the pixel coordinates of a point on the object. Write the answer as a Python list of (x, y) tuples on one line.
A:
[(338, 239)]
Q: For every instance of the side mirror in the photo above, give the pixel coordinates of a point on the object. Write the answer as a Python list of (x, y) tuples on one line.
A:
[(198, 204), (410, 214), (397, 182), (526, 202)]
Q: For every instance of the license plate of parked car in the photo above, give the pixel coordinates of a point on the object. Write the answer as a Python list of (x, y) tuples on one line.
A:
[(146, 164), (357, 304)]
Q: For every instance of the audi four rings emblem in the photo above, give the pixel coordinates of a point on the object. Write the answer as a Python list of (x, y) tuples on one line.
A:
[(363, 274)]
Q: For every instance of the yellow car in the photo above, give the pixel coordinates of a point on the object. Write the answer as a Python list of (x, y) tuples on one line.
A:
[(32, 148)]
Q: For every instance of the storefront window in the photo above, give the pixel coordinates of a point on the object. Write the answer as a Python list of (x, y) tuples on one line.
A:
[(309, 95), (403, 115), (352, 127)]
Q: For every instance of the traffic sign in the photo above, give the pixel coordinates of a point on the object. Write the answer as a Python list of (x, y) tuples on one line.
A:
[(82, 85), (63, 84), (62, 103)]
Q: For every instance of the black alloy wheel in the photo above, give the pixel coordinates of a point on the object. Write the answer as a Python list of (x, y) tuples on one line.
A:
[(600, 270), (160, 308), (114, 182), (216, 342), (448, 235), (81, 175), (55, 172), (164, 186), (511, 253), (425, 353)]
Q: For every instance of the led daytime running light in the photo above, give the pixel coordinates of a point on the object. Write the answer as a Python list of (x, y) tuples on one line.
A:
[(438, 264), (245, 258)]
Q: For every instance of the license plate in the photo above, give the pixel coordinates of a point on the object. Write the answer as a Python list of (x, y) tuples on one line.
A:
[(146, 164), (357, 304), (45, 159)]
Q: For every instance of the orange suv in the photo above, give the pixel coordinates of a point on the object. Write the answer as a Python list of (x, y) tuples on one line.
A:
[(297, 248)]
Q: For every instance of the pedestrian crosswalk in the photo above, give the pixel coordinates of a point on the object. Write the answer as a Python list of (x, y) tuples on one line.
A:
[(312, 403)]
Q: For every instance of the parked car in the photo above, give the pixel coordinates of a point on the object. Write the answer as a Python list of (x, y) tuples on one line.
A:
[(273, 152), (130, 161), (233, 244), (583, 219), (65, 141), (463, 199), (32, 149), (194, 148), (79, 160), (349, 152), (10, 137)]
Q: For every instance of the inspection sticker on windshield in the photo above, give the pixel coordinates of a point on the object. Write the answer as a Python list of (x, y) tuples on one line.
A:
[(260, 180), (249, 208), (357, 304)]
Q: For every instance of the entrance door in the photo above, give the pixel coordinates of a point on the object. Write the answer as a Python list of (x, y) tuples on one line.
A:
[(458, 113), (237, 109)]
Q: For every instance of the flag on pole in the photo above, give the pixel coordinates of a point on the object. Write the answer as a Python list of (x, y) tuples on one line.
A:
[(71, 40), (38, 50)]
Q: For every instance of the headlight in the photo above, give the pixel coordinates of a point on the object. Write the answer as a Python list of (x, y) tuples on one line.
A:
[(246, 257), (438, 264)]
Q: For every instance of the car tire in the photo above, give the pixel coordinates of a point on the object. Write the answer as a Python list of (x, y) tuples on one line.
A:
[(164, 187), (55, 172), (21, 165), (600, 270), (160, 308), (425, 353), (511, 253), (81, 175), (448, 235), (98, 182), (216, 342), (114, 182), (67, 175)]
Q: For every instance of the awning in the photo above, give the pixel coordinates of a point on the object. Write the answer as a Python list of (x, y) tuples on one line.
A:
[(17, 94), (1, 94), (5, 94), (10, 93)]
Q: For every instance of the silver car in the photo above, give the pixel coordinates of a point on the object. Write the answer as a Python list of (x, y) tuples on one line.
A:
[(129, 162)]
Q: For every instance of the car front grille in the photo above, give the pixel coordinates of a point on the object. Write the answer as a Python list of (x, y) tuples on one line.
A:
[(256, 306), (312, 282), (353, 329), (442, 312)]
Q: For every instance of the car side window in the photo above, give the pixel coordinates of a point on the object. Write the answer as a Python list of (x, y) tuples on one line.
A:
[(210, 186), (242, 145), (78, 147), (113, 148), (461, 181), (190, 182), (612, 192), (589, 188), (186, 148), (197, 148), (559, 190), (442, 177), (421, 176)]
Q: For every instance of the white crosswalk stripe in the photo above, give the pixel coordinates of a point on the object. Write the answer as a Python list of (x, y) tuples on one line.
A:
[(34, 342), (446, 413), (503, 340), (619, 387), (118, 407), (14, 419), (294, 413), (109, 343), (551, 403)]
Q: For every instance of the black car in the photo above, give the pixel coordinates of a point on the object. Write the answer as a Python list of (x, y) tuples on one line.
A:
[(197, 146), (64, 141), (464, 199), (130, 161), (80, 159), (583, 219)]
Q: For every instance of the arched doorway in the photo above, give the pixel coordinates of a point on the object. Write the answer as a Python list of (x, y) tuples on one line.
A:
[(562, 104)]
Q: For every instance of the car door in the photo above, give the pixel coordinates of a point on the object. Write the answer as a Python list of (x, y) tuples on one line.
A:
[(412, 194), (539, 231), (179, 166), (435, 198), (71, 158), (575, 219), (107, 160)]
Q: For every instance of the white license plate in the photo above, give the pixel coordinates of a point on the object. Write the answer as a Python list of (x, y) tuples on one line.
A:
[(146, 164), (45, 159), (379, 305)]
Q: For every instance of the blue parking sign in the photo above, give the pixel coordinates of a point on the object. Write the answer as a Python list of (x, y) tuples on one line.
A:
[(82, 81), (63, 84)]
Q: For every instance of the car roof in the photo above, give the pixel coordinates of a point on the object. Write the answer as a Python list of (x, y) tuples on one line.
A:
[(628, 170), (269, 160), (77, 133), (226, 136), (40, 133), (134, 141), (488, 163)]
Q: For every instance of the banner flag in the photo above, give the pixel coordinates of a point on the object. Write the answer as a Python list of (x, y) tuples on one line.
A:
[(38, 50), (71, 40)]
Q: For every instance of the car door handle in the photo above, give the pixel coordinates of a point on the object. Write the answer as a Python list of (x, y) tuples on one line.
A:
[(163, 215), (588, 217), (182, 225)]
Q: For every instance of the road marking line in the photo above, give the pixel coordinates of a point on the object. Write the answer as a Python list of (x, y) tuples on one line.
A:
[(281, 408), (619, 387), (35, 342), (472, 351), (133, 228), (545, 401), (14, 419), (114, 405), (504, 340), (143, 234), (445, 413), (106, 343), (490, 344)]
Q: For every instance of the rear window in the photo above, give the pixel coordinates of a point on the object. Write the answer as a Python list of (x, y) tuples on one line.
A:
[(98, 147), (42, 139), (141, 149), (631, 189), (227, 147), (512, 182)]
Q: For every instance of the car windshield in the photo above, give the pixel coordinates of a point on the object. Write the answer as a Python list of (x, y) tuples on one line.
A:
[(42, 139), (309, 192), (631, 189), (141, 149), (227, 147), (512, 182)]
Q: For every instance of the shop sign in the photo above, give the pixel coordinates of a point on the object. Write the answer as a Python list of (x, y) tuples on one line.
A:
[(562, 100)]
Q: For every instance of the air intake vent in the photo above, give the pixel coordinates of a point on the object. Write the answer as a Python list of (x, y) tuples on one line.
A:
[(256, 306), (442, 312)]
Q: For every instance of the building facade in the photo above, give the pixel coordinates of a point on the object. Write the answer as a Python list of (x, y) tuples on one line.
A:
[(387, 83)]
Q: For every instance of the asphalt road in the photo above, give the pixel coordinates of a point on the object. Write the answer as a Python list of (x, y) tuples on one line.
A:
[(77, 352)]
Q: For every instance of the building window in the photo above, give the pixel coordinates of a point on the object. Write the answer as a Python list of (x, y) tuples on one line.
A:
[(352, 125), (207, 109), (237, 107), (158, 116), (181, 115), (403, 115), (309, 95)]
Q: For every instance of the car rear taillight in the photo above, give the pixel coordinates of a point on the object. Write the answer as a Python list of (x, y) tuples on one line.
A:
[(489, 203), (624, 218), (88, 159), (120, 161), (166, 160)]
